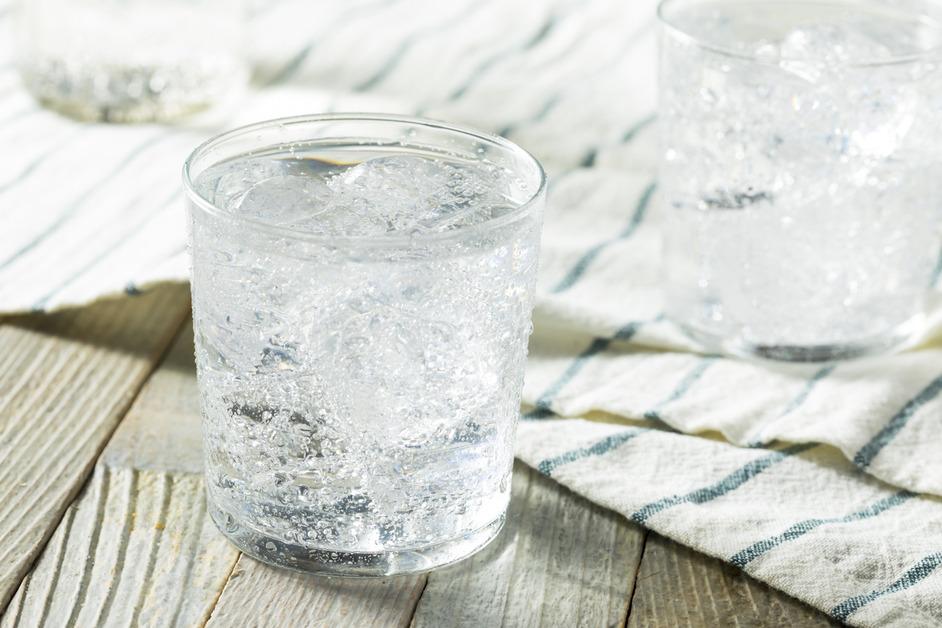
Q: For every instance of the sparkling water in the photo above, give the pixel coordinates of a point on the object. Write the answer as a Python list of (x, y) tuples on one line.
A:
[(130, 60), (361, 329), (801, 171), (130, 92)]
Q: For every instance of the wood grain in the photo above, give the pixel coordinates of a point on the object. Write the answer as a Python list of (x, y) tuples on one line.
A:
[(162, 429), (65, 382), (261, 596), (560, 561), (136, 549), (678, 587)]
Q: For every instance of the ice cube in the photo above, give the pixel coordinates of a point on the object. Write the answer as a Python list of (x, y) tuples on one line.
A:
[(284, 199), (227, 183), (389, 194), (415, 194)]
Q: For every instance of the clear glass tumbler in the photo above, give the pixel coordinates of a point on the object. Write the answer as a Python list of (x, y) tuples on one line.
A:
[(800, 171), (131, 60), (362, 291)]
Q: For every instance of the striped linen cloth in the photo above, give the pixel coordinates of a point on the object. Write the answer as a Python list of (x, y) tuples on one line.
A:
[(822, 480)]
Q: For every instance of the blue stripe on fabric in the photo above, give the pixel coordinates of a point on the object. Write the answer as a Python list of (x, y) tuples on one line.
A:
[(291, 68), (543, 403), (297, 61), (393, 60), (22, 176), (544, 111), (730, 483), (546, 467), (682, 388), (582, 265), (746, 556), (556, 98), (794, 403), (588, 161), (631, 133), (487, 64), (868, 452), (800, 398), (146, 217), (936, 272), (84, 196), (917, 573), (539, 413)]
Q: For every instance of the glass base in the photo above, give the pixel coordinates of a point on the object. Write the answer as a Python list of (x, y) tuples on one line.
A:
[(130, 113), (76, 91), (332, 562), (898, 339)]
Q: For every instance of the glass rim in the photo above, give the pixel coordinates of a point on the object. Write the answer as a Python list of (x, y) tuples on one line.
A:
[(381, 241), (898, 59)]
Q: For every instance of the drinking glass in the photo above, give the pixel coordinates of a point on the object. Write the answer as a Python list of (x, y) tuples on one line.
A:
[(362, 291), (130, 60), (800, 171)]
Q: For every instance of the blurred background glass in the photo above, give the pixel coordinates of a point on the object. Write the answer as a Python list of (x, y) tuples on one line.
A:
[(800, 166), (130, 60)]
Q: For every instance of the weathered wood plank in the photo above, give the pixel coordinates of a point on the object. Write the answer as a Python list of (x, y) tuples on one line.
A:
[(137, 547), (162, 429), (67, 380), (260, 596), (676, 586), (560, 561)]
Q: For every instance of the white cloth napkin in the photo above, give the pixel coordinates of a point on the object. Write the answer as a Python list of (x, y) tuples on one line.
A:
[(822, 480)]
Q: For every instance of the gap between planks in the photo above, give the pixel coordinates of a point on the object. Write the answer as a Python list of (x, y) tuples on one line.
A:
[(633, 581), (677, 586), (68, 379)]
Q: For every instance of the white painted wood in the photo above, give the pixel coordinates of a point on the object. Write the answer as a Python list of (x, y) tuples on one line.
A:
[(66, 380), (259, 596), (162, 429), (560, 561), (136, 549)]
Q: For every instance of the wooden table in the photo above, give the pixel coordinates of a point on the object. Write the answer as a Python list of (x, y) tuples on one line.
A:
[(102, 519)]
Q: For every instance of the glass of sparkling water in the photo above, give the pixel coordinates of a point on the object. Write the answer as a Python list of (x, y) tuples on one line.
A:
[(801, 172), (362, 290), (131, 60)]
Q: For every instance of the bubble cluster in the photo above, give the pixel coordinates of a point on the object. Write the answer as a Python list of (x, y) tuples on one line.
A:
[(360, 399), (799, 169)]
